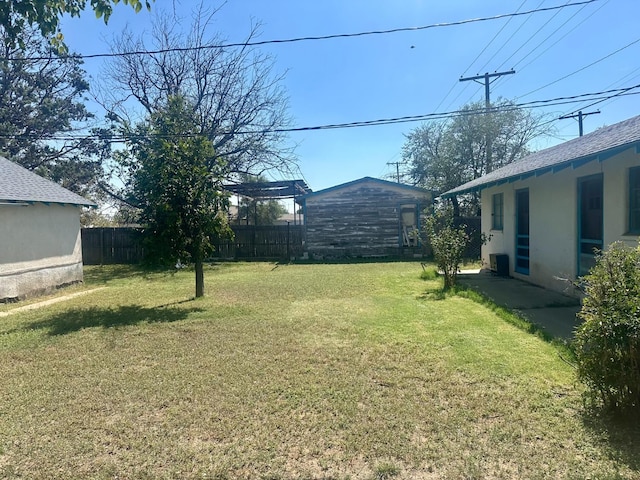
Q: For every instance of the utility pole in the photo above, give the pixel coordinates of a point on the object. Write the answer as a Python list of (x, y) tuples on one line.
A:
[(487, 102), (397, 164), (579, 116)]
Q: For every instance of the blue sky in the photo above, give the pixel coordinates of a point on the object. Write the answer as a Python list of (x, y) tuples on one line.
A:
[(412, 73)]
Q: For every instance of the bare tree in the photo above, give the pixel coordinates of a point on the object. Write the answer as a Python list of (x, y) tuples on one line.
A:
[(237, 98)]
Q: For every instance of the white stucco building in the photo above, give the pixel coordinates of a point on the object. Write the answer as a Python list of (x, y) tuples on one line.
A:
[(549, 211), (40, 247)]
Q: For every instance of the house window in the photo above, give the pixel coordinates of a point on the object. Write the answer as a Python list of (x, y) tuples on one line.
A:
[(634, 200), (497, 204)]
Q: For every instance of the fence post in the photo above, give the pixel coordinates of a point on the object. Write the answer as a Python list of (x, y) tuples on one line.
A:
[(288, 241)]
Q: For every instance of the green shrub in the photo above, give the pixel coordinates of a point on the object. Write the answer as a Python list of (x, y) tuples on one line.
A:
[(448, 243), (608, 342)]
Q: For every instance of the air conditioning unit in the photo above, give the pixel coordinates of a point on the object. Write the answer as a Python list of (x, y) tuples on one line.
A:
[(499, 264)]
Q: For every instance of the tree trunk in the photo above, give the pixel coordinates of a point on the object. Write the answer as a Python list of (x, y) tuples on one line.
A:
[(199, 277), (455, 205)]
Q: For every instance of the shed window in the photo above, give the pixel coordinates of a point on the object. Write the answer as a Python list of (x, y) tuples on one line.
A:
[(497, 216), (634, 200)]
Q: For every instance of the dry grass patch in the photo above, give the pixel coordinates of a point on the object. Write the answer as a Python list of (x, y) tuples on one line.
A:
[(287, 372)]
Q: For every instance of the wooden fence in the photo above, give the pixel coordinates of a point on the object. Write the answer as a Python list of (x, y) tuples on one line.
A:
[(262, 241), (101, 246)]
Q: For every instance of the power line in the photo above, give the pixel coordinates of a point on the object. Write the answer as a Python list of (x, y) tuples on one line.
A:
[(303, 39), (598, 96), (475, 60), (492, 40), (581, 69), (540, 44), (561, 38), (510, 37), (531, 37)]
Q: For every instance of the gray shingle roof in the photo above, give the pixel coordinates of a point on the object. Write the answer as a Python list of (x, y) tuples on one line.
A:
[(602, 143), (17, 184)]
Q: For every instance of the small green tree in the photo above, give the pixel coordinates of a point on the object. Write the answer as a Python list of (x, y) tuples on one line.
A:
[(178, 192), (448, 242), (608, 342)]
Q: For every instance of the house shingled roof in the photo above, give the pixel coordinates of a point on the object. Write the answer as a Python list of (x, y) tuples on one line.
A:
[(17, 184), (601, 144)]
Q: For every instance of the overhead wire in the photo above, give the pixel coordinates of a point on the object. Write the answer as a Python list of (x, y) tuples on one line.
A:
[(581, 69), (561, 38), (474, 61), (568, 32), (492, 40), (598, 96), (301, 39), (501, 80), (506, 42), (531, 37)]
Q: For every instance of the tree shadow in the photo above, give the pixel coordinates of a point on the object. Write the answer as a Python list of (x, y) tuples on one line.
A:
[(433, 294), (79, 318), (101, 274), (619, 434)]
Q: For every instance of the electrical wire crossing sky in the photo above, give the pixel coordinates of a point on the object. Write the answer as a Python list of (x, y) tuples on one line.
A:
[(360, 75)]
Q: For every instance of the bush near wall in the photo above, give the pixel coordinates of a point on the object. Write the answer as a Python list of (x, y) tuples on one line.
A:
[(608, 342)]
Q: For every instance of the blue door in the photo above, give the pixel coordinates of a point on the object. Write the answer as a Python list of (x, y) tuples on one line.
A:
[(522, 231)]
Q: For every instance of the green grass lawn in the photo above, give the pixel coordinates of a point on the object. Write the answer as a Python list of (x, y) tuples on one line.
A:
[(356, 371)]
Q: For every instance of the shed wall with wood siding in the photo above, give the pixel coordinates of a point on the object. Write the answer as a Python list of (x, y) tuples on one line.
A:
[(364, 218)]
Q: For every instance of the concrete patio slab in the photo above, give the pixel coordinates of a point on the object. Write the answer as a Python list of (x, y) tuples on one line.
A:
[(552, 311)]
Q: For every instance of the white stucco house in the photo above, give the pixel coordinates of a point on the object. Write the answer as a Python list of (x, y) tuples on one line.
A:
[(40, 247), (548, 211)]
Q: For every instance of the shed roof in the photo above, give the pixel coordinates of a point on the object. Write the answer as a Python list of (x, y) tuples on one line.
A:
[(270, 190), (378, 181), (601, 144), (17, 184)]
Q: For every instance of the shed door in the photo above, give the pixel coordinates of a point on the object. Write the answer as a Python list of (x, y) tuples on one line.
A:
[(409, 225), (590, 230)]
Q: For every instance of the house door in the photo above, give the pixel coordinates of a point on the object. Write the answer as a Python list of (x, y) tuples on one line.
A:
[(522, 231), (590, 230)]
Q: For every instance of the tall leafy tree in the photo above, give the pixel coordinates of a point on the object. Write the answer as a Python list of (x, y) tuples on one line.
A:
[(175, 181), (444, 155), (19, 16), (42, 111)]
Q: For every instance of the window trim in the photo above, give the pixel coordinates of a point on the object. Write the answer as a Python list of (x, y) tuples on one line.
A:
[(494, 215), (634, 174)]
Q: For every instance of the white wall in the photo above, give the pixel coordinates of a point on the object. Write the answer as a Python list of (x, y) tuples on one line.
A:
[(40, 249), (553, 200)]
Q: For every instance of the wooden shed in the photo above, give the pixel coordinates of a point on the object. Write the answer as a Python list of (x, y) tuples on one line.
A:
[(364, 218), (40, 244)]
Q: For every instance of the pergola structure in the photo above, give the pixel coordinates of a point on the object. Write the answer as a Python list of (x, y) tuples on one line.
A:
[(277, 190)]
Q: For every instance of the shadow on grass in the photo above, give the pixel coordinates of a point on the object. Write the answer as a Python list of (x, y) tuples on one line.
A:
[(434, 294), (618, 433), (101, 274), (79, 318)]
